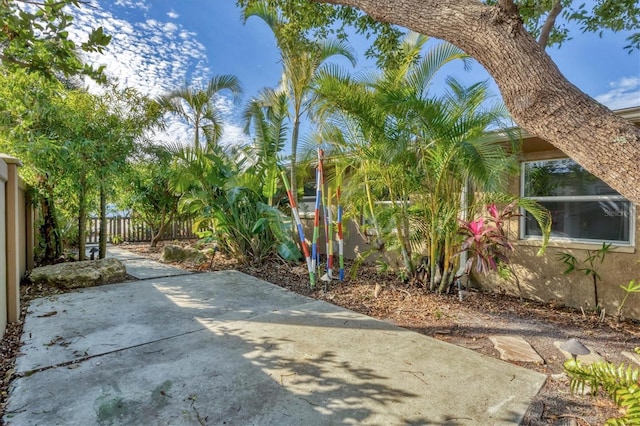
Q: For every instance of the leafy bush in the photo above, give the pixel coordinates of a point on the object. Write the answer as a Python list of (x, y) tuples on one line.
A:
[(246, 227), (631, 287), (620, 382), (486, 240)]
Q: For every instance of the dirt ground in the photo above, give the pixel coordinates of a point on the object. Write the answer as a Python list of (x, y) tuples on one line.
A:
[(469, 323)]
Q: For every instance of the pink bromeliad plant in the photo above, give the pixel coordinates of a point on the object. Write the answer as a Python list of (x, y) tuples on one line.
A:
[(486, 240)]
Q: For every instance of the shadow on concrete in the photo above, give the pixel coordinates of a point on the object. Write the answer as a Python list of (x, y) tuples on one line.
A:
[(226, 348)]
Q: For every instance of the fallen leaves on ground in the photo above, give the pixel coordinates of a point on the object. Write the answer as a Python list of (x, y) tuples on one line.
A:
[(469, 323)]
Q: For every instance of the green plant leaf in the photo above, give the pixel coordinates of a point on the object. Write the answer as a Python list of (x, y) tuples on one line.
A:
[(288, 250), (259, 225)]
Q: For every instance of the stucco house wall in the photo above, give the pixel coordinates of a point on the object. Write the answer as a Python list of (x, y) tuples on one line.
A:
[(16, 239), (541, 277)]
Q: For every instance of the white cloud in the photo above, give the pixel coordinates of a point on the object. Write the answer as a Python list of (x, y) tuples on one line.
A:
[(133, 4), (154, 57), (145, 54), (234, 134), (176, 132), (623, 93), (224, 106), (173, 14)]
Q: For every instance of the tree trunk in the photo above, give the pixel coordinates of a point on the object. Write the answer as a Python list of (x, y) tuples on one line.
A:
[(158, 235), (540, 99), (49, 229), (82, 218), (103, 223)]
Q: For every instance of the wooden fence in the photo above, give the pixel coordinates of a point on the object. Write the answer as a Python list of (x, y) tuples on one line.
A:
[(121, 229)]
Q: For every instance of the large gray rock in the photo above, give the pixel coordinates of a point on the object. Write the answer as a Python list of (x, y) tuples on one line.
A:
[(80, 274), (172, 253)]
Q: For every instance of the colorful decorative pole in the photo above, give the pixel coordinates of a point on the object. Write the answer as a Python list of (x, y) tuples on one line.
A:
[(329, 221), (326, 203), (303, 242), (340, 239), (316, 224)]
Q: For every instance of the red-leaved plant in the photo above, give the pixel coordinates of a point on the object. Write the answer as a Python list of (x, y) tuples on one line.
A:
[(486, 240)]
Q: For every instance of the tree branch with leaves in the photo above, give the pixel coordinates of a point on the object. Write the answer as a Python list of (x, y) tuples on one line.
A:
[(502, 38), (34, 36)]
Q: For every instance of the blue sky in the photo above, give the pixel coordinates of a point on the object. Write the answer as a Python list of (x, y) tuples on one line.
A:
[(161, 44)]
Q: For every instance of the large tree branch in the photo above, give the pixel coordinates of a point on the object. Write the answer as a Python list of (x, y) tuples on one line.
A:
[(549, 23), (540, 99), (508, 6)]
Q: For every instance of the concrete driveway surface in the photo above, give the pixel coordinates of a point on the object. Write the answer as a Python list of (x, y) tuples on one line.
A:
[(224, 348)]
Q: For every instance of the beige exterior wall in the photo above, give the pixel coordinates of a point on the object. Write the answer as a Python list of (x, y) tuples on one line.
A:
[(3, 246), (542, 278), (354, 243), (16, 239)]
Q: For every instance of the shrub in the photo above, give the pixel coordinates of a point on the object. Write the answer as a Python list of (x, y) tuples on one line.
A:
[(620, 382)]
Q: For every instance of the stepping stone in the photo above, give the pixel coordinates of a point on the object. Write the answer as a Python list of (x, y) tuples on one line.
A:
[(592, 357), (515, 348), (632, 356)]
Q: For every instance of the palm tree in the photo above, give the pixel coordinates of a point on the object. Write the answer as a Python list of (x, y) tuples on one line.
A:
[(414, 150), (267, 115), (302, 62), (197, 106)]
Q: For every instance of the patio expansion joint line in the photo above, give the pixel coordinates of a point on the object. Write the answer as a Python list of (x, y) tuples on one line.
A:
[(185, 273), (160, 276), (88, 357)]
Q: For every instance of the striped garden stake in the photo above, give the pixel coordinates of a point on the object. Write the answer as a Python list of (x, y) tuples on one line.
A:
[(296, 216), (316, 225), (326, 204), (340, 239), (329, 220)]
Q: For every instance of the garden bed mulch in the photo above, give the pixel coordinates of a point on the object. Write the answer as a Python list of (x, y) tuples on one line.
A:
[(469, 324)]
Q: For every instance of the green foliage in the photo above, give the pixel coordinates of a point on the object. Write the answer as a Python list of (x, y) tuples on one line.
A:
[(229, 207), (145, 190), (410, 154), (319, 20), (303, 61), (267, 115), (35, 37), (620, 382), (631, 287), (246, 228), (72, 144), (196, 105), (249, 229), (486, 240), (589, 265)]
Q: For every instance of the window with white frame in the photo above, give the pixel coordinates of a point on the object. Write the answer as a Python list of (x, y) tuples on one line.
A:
[(583, 208)]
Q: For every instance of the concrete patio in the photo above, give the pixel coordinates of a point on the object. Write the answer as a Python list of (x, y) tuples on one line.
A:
[(226, 348)]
